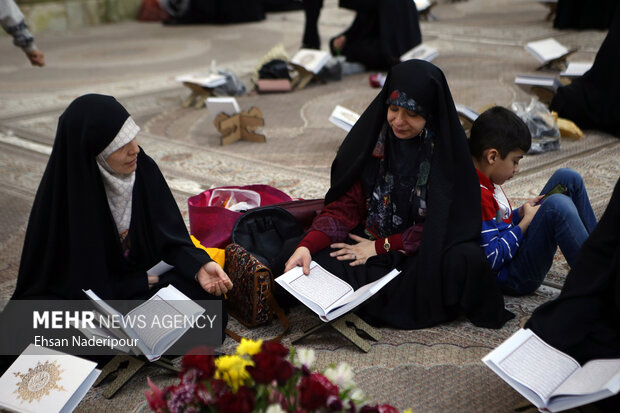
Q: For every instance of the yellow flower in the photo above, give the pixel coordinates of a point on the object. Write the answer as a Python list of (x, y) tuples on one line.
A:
[(231, 369), (407, 411), (249, 347)]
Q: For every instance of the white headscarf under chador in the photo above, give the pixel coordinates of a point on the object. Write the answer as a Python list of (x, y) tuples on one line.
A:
[(119, 187)]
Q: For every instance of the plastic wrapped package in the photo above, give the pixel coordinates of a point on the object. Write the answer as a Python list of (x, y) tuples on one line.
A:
[(542, 125)]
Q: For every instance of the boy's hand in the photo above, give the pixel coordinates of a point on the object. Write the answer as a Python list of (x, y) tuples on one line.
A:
[(533, 202), (528, 214)]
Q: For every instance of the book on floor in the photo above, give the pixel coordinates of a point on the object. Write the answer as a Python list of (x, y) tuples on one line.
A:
[(576, 69), (526, 82), (222, 104), (343, 118), (422, 52), (311, 60), (326, 294), (546, 50), (45, 380), (211, 80), (550, 379), (144, 327)]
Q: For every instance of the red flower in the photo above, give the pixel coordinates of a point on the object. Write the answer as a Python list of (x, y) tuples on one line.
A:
[(240, 402), (394, 95), (314, 391), (274, 348), (269, 367), (155, 397), (197, 359)]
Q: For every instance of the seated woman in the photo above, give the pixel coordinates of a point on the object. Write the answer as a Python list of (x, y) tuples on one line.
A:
[(104, 215), (584, 320), (590, 100), (380, 33), (584, 15), (403, 195)]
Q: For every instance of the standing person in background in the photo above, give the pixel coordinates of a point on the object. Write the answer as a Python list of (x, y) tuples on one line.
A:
[(12, 20), (312, 10)]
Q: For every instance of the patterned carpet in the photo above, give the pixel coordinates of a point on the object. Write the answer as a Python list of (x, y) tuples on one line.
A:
[(481, 50)]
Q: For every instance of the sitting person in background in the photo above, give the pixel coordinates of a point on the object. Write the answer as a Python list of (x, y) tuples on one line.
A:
[(584, 320), (591, 100), (212, 11), (404, 195), (311, 38), (584, 15), (520, 244), (103, 216), (12, 21), (381, 32)]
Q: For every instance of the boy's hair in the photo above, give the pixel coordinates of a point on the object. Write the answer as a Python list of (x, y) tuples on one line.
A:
[(501, 129)]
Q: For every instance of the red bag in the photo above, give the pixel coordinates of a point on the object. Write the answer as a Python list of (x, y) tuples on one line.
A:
[(212, 225)]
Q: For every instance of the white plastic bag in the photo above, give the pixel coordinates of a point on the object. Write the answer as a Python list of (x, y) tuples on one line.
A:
[(542, 125), (234, 199)]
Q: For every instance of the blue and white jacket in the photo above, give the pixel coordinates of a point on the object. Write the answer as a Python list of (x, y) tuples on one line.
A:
[(501, 235)]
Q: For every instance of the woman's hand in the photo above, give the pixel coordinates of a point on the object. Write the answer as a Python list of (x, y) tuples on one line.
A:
[(213, 279), (153, 279), (300, 258), (358, 253)]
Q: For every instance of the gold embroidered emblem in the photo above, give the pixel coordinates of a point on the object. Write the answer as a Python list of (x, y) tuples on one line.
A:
[(39, 381)]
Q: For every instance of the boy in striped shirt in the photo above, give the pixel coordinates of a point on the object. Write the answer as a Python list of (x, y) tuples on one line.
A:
[(520, 243)]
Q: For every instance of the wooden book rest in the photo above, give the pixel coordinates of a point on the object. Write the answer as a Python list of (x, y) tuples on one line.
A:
[(126, 367), (348, 325), (304, 77), (197, 96), (557, 63), (240, 126)]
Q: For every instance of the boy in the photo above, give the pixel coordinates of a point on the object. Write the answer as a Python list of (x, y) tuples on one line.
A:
[(520, 244)]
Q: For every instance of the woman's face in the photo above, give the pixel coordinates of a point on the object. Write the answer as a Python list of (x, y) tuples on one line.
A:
[(125, 159), (405, 123)]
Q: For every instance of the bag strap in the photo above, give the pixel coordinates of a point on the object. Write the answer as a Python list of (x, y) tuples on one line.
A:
[(282, 318)]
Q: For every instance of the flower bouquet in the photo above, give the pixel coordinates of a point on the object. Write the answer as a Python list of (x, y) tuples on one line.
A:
[(260, 377)]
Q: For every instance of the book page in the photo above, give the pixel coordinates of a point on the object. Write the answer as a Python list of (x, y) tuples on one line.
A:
[(321, 286), (154, 308), (539, 366), (595, 375), (546, 50)]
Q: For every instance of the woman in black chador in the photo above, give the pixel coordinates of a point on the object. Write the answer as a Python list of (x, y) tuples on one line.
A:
[(404, 194), (103, 215), (591, 101), (380, 33), (584, 15), (584, 321)]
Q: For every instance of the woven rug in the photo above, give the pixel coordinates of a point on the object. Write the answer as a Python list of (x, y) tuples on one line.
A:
[(481, 50)]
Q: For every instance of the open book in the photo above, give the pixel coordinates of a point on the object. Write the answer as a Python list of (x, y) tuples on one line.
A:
[(210, 80), (147, 328), (311, 60), (528, 82), (546, 50), (46, 380), (422, 52), (576, 69), (343, 118), (326, 294), (550, 379)]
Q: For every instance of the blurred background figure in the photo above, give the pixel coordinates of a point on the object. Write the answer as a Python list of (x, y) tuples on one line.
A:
[(380, 33), (584, 15), (12, 20)]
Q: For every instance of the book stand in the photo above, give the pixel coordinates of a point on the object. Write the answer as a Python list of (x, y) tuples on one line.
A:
[(197, 96), (126, 367), (240, 126), (303, 78), (348, 326), (558, 63)]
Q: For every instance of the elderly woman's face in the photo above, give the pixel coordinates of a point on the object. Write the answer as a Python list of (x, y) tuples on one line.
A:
[(405, 123), (125, 159)]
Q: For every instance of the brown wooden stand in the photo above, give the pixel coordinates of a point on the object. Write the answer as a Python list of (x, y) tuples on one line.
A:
[(348, 326), (126, 367), (240, 126), (303, 77), (558, 63), (198, 95)]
